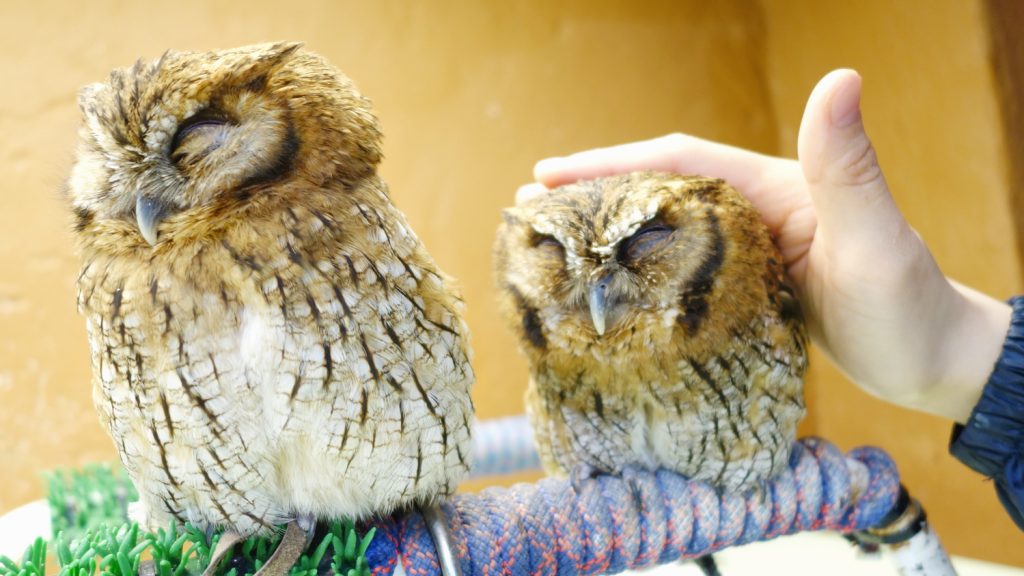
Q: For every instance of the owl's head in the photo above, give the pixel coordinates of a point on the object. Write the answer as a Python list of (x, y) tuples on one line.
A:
[(603, 258), (174, 149)]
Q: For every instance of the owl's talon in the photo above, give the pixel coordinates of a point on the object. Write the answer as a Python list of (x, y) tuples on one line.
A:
[(224, 545), (288, 551), (308, 524), (582, 472), (437, 525), (630, 471), (758, 493)]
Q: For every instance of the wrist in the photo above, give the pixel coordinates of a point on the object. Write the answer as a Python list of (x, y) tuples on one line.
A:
[(970, 341), (990, 440)]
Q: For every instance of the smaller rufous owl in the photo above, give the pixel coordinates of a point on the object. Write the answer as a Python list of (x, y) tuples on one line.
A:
[(659, 328)]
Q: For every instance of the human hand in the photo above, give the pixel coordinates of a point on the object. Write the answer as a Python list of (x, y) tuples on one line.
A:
[(873, 295)]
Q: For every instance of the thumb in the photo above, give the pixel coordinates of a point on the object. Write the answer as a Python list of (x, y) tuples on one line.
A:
[(839, 164)]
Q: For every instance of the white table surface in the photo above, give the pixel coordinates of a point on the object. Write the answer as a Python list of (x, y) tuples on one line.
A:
[(810, 554)]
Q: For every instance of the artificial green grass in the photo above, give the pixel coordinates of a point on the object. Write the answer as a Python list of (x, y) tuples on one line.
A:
[(92, 536), (94, 497)]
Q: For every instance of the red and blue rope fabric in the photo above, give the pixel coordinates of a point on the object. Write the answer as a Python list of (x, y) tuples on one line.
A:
[(608, 524)]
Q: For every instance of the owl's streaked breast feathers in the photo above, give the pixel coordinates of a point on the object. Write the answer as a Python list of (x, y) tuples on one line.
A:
[(654, 311), (269, 337)]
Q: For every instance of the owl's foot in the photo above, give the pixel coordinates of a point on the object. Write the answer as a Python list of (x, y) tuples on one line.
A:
[(707, 565), (759, 494), (437, 525), (288, 550), (582, 472), (308, 524), (224, 545), (294, 541)]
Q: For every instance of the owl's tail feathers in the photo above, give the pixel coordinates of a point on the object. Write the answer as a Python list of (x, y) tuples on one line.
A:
[(434, 518)]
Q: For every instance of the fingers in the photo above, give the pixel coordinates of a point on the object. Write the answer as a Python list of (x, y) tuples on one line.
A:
[(774, 186), (644, 155), (673, 153), (850, 195), (529, 191)]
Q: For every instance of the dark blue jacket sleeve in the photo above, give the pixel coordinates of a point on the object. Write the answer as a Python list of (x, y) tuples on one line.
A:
[(992, 441)]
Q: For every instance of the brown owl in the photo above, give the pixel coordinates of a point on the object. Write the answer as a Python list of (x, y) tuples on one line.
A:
[(270, 340), (654, 311)]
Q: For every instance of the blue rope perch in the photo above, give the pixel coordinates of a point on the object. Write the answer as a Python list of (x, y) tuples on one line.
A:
[(609, 524), (503, 446)]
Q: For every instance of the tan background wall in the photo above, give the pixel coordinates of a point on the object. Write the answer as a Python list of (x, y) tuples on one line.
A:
[(470, 95)]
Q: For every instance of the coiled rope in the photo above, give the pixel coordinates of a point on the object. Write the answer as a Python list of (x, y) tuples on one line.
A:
[(609, 524)]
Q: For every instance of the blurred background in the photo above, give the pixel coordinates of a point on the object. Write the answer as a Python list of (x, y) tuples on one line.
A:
[(471, 94)]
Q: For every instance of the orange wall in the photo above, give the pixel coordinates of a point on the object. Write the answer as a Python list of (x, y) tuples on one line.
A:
[(470, 94)]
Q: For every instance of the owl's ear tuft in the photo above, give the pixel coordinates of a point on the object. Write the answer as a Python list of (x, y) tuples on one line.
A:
[(511, 216), (88, 95), (261, 62), (272, 55)]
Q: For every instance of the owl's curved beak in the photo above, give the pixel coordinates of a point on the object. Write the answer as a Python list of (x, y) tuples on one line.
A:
[(148, 214), (598, 301)]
